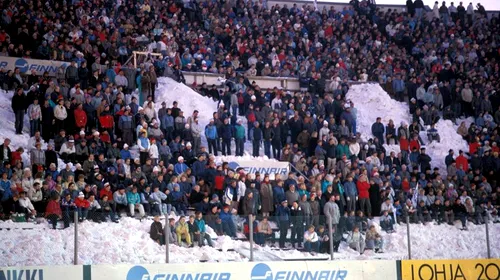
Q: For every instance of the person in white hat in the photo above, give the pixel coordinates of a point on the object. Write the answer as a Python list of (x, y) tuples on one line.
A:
[(180, 167), (82, 206)]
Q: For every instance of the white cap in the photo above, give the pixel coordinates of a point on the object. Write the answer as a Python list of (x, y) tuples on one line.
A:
[(180, 158), (188, 144), (125, 145)]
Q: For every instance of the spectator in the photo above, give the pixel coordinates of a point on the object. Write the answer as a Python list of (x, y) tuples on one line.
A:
[(311, 240)]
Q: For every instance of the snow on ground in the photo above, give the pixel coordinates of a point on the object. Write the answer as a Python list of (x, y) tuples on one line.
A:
[(450, 139), (371, 101), (128, 243), (189, 100), (8, 119)]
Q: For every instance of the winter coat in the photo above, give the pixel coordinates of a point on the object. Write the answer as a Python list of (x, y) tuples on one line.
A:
[(266, 195), (331, 210), (363, 189)]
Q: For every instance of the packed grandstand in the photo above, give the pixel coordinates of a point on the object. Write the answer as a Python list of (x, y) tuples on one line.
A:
[(395, 119)]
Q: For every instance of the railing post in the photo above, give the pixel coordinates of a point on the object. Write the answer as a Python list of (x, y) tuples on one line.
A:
[(166, 234), (330, 235), (487, 236), (250, 233), (75, 248), (408, 235)]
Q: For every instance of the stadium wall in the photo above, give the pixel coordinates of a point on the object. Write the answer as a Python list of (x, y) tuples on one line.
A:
[(480, 269)]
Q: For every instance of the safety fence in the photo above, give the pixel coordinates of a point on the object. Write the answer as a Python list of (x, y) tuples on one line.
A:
[(484, 269)]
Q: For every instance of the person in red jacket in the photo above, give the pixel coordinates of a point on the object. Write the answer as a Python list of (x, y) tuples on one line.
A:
[(363, 195), (82, 206), (106, 191), (106, 121), (404, 145), (80, 117), (414, 143), (462, 161), (53, 212), (474, 146)]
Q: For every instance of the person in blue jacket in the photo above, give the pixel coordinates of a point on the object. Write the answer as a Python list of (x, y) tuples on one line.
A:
[(283, 215), (278, 193), (211, 135), (200, 222), (351, 194), (199, 167), (227, 222), (180, 167), (125, 153), (167, 125), (378, 130)]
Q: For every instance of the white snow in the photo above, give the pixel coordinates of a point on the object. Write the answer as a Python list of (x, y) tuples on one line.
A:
[(129, 242), (450, 139), (371, 102), (189, 100), (8, 119)]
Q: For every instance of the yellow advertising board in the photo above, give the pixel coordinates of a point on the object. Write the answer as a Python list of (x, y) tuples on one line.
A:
[(480, 269)]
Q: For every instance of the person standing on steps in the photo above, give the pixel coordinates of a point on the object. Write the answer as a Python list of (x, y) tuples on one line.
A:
[(18, 106)]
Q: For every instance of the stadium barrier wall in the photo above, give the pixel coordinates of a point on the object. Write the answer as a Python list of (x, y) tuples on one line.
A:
[(301, 270), (73, 272), (479, 269)]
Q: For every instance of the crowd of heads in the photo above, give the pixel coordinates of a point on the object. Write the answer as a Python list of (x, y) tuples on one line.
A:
[(90, 115)]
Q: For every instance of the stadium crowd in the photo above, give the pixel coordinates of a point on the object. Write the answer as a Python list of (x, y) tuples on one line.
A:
[(120, 154)]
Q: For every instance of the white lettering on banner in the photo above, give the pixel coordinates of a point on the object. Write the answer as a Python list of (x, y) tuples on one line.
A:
[(300, 270), (25, 65), (263, 167), (41, 273)]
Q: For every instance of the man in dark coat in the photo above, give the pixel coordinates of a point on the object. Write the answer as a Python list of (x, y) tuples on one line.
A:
[(5, 152), (19, 107), (378, 130)]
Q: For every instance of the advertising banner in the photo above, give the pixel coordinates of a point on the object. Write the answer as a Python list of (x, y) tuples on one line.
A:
[(302, 270), (480, 269), (74, 272), (272, 168), (28, 64)]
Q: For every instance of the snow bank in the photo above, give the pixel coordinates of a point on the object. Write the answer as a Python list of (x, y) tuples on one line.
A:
[(8, 120), (371, 101), (188, 99), (450, 139), (106, 243), (128, 243)]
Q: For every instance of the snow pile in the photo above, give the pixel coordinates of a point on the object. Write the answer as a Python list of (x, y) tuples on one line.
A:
[(431, 242), (129, 243), (8, 120), (106, 243), (189, 100), (450, 139), (371, 101)]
